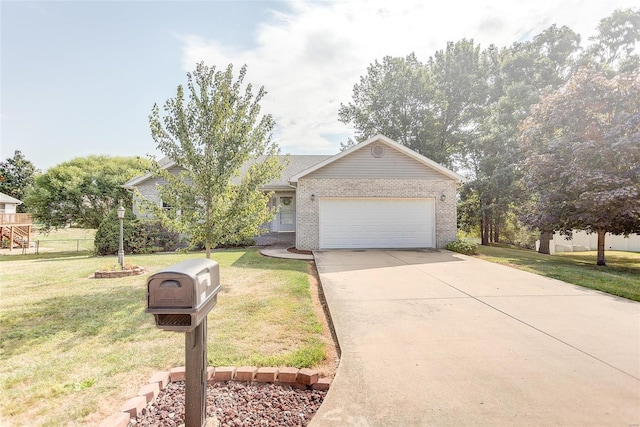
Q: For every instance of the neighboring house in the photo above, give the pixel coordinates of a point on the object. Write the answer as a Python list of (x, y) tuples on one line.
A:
[(377, 194), (8, 204), (14, 227)]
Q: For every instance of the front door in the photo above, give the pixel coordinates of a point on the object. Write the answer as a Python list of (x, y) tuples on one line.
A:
[(286, 213)]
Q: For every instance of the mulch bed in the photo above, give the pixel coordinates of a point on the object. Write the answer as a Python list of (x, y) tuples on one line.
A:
[(237, 403)]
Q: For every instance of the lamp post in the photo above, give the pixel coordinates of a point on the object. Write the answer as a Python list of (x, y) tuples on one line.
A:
[(120, 212)]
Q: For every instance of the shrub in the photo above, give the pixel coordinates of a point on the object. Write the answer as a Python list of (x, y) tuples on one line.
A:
[(161, 239), (108, 234), (139, 236), (463, 247)]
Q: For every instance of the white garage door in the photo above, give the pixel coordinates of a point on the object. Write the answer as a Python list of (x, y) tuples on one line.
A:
[(377, 223)]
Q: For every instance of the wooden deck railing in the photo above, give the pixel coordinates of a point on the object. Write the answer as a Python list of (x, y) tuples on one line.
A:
[(16, 219)]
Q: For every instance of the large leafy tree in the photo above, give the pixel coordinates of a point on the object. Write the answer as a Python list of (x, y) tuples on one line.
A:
[(614, 45), (82, 191), (583, 156), (395, 98), (16, 177), (517, 77), (461, 77), (432, 108), (211, 136)]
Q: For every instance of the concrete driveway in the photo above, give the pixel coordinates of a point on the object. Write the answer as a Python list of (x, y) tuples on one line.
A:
[(440, 339)]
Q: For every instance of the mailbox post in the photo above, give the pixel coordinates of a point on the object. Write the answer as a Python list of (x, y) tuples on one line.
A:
[(180, 297)]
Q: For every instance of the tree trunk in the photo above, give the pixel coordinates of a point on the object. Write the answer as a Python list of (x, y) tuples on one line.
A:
[(491, 232), (545, 239), (601, 234), (207, 240), (484, 231), (496, 233)]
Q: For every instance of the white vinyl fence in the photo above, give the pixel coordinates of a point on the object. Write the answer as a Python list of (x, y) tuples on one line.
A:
[(581, 241)]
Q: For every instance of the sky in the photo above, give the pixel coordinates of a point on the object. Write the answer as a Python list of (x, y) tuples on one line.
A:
[(80, 77)]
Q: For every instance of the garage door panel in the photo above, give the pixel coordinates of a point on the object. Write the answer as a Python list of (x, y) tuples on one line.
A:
[(376, 223)]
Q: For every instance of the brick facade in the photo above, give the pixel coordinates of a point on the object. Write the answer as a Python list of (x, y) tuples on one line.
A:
[(308, 222)]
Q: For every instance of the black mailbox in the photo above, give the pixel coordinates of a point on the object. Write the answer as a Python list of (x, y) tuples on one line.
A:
[(180, 296)]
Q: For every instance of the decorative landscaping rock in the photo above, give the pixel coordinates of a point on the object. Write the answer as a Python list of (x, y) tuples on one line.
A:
[(235, 396)]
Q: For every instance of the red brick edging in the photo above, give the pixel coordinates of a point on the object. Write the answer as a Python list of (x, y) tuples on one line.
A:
[(116, 274), (300, 378)]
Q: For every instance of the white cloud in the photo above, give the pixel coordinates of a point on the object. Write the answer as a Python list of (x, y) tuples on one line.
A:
[(310, 58)]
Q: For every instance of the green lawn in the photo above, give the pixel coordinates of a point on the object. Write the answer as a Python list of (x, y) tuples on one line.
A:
[(74, 348), (620, 277), (67, 233), (64, 240)]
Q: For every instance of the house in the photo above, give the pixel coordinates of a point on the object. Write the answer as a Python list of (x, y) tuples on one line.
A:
[(376, 194), (8, 204), (14, 227)]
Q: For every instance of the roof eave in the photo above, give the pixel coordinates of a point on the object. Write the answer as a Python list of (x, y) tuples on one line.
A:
[(130, 185), (277, 188)]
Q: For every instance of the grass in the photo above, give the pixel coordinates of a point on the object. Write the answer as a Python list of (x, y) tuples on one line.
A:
[(74, 348), (68, 240), (65, 240), (67, 233), (620, 277)]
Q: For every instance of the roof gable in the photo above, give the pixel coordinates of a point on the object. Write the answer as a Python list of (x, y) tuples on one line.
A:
[(5, 198), (165, 163), (413, 159)]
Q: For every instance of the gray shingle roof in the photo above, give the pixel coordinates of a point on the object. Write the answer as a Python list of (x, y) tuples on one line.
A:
[(297, 164)]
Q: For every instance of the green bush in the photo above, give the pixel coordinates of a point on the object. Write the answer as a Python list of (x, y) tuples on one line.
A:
[(108, 234), (161, 239), (140, 236), (463, 247)]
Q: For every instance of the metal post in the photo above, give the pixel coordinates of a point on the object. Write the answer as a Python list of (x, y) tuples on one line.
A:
[(120, 212), (121, 249), (196, 375)]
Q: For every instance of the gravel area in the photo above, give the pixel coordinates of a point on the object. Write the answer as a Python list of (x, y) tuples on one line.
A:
[(237, 403)]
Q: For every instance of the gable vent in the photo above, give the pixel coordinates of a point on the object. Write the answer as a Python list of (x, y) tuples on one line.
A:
[(377, 150)]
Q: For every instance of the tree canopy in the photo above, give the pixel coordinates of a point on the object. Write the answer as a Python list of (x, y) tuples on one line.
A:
[(583, 156), (211, 136), (614, 44), (16, 177), (431, 108), (82, 191), (463, 106)]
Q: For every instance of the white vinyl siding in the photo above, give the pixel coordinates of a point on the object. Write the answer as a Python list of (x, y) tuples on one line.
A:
[(377, 223)]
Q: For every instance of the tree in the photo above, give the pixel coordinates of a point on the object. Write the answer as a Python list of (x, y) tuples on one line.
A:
[(82, 191), (583, 157), (461, 82), (211, 136), (614, 45), (516, 78), (432, 108), (395, 98), (16, 177)]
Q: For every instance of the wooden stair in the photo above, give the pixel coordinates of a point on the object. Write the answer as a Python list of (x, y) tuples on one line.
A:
[(15, 230)]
